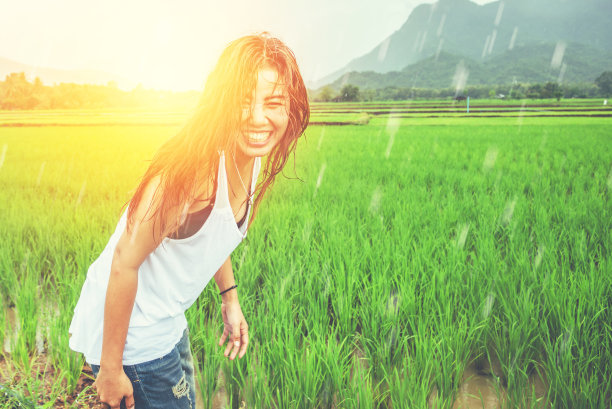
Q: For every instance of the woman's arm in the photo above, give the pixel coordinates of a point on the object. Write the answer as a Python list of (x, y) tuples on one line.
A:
[(233, 319), (132, 248)]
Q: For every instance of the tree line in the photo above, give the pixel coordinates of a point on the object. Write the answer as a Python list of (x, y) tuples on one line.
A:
[(16, 92), (602, 87)]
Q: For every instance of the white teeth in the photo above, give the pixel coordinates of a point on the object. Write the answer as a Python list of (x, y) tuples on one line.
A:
[(259, 136)]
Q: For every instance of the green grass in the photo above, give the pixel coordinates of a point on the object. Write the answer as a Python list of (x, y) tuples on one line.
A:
[(373, 281)]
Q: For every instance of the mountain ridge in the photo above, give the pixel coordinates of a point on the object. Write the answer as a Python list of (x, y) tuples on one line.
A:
[(517, 65), (475, 31)]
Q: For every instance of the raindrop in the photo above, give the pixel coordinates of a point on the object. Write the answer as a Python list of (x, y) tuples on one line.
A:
[(393, 124), (539, 255), (345, 79), (243, 255), (307, 231), (81, 193), (417, 41), (392, 338), (610, 180), (326, 275), (392, 303), (605, 102), (390, 145), (465, 228), (4, 148), (185, 212), (284, 283), (500, 10), (134, 232), (485, 49), (492, 42), (460, 77), (441, 26), (543, 141), (40, 173), (432, 11), (407, 158), (40, 340), (382, 49), (422, 41), (562, 73), (321, 139), (490, 158), (375, 202), (557, 57), (565, 342), (320, 178), (439, 48), (519, 118), (508, 211), (513, 38), (488, 306), (12, 317), (498, 179)]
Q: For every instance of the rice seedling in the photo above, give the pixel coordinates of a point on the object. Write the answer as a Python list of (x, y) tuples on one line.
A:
[(402, 254)]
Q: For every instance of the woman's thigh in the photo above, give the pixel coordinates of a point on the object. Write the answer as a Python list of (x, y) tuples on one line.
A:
[(167, 382)]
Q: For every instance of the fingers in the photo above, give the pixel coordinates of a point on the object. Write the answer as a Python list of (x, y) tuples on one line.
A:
[(229, 347), (129, 402), (223, 337), (236, 341), (245, 342), (110, 406), (233, 344)]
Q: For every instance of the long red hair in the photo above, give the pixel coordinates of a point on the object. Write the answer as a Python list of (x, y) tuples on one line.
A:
[(192, 154)]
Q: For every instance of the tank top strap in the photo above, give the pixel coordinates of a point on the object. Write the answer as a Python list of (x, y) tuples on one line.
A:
[(222, 197), (256, 170)]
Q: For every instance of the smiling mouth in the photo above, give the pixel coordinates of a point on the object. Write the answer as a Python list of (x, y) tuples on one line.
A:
[(257, 138)]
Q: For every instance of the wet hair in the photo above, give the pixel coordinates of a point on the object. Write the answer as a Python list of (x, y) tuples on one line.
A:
[(191, 156)]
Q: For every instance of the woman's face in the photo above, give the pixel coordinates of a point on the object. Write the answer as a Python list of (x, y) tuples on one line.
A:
[(264, 116)]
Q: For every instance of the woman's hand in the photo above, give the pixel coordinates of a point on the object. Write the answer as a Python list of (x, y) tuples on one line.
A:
[(235, 327), (112, 387)]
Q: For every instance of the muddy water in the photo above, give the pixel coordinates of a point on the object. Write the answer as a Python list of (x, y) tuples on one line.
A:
[(13, 327), (479, 389)]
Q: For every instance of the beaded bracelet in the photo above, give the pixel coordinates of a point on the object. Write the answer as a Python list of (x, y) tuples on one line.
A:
[(226, 290)]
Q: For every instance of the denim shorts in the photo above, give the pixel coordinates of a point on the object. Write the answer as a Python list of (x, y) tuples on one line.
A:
[(166, 382)]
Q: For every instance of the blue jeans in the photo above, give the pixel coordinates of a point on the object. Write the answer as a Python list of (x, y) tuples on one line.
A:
[(167, 382)]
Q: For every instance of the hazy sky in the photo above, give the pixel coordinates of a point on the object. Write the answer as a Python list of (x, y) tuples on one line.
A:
[(173, 44)]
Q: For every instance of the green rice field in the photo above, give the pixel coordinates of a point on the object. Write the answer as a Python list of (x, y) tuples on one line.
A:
[(414, 255)]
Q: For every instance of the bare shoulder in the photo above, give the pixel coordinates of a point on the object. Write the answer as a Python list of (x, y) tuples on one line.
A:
[(142, 236)]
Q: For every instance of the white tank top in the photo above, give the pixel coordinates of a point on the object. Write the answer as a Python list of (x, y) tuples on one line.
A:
[(169, 281)]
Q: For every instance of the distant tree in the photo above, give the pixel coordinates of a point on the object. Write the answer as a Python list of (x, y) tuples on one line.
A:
[(534, 91), (326, 94), (349, 93), (604, 82), (368, 95), (16, 92), (551, 90)]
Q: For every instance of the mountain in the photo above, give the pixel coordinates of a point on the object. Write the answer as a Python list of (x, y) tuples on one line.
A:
[(482, 32), (50, 76), (530, 63)]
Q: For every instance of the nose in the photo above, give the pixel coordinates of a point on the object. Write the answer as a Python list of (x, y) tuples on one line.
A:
[(258, 116)]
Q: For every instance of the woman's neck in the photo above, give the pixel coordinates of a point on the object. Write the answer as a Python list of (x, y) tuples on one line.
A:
[(239, 169)]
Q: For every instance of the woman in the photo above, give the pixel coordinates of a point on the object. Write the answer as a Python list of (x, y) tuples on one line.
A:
[(188, 214)]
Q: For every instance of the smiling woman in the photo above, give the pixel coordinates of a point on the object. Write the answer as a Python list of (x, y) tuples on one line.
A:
[(265, 115), (189, 212)]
